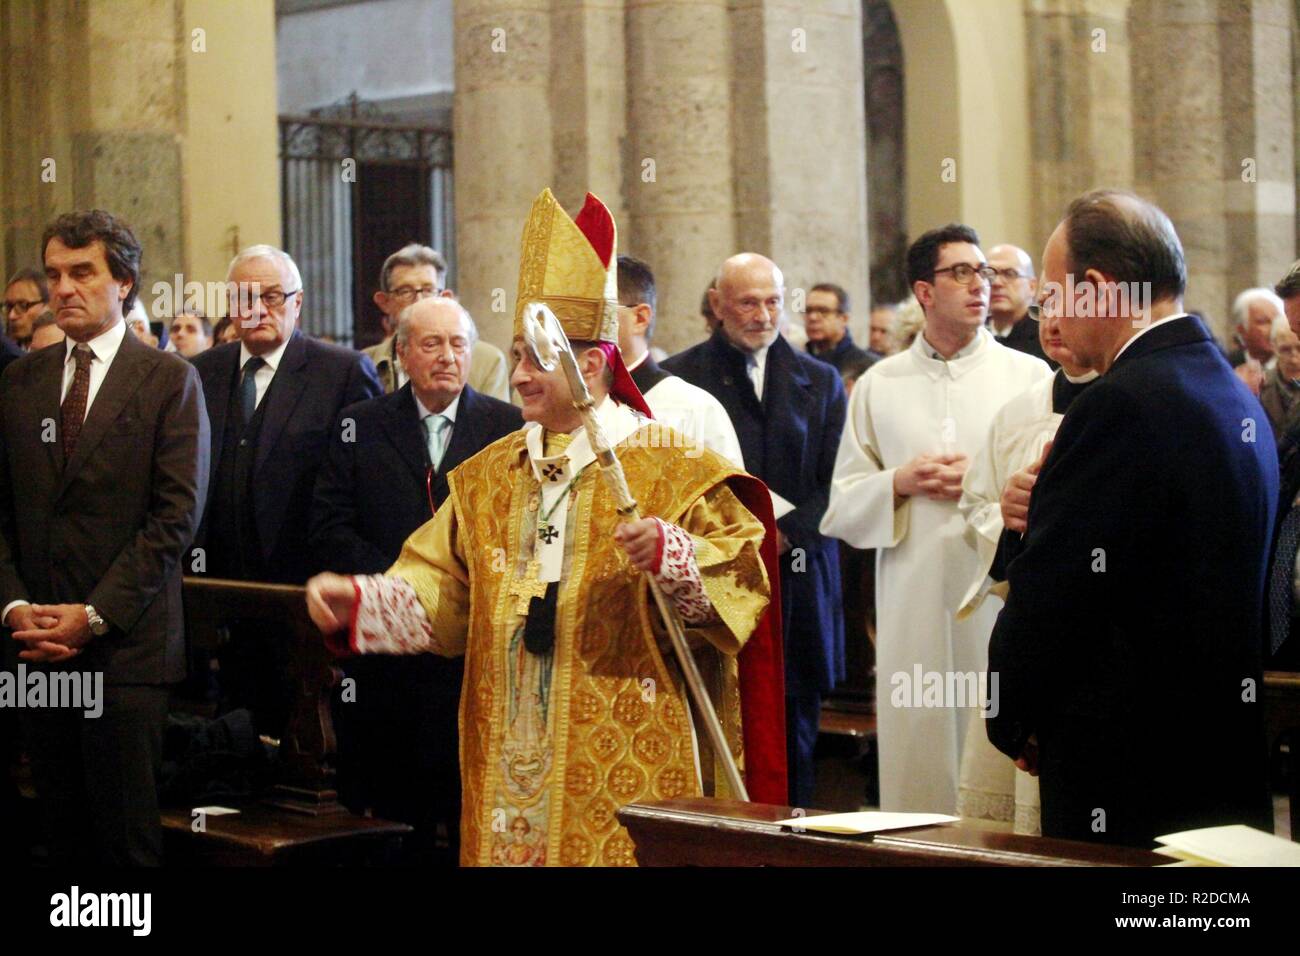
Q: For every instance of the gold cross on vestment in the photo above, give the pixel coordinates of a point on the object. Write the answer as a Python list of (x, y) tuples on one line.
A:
[(528, 587)]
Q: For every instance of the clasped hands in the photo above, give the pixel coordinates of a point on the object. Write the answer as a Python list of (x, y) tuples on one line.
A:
[(53, 633), (1015, 496), (934, 476)]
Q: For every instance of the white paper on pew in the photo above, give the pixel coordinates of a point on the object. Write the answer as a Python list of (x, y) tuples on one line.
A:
[(780, 507), (1234, 845), (213, 811), (870, 821)]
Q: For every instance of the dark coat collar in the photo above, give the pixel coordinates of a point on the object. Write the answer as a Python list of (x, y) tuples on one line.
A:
[(1184, 330)]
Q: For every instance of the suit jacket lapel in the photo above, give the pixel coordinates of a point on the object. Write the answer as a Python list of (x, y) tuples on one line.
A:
[(216, 393), (402, 424), (464, 436), (286, 388), (123, 378), (48, 392)]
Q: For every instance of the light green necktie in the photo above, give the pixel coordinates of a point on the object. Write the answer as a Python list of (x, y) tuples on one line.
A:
[(435, 429)]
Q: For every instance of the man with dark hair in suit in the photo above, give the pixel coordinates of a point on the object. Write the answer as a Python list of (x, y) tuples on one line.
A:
[(826, 319), (274, 399), (1129, 651), (103, 472), (788, 411), (384, 476)]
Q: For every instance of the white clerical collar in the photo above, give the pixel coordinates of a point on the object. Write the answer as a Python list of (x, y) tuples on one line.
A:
[(616, 421), (1143, 331), (638, 363), (448, 413), (1087, 376), (104, 345), (271, 358)]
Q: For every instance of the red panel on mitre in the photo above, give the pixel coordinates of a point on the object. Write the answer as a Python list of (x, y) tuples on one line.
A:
[(597, 225)]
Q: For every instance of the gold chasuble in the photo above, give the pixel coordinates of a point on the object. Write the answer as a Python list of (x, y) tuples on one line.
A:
[(552, 744)]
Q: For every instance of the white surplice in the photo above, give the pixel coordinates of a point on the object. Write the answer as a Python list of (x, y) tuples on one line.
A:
[(904, 406), (697, 415)]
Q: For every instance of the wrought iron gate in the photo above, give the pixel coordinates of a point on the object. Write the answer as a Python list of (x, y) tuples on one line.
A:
[(354, 188)]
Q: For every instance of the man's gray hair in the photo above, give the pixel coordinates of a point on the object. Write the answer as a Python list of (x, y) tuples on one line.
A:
[(268, 252), (404, 319), (1280, 328), (413, 255), (1241, 304)]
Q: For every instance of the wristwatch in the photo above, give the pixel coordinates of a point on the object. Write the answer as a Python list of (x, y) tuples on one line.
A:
[(98, 626)]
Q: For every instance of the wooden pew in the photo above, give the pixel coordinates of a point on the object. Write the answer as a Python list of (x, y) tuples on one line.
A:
[(705, 832), (301, 820), (1282, 718)]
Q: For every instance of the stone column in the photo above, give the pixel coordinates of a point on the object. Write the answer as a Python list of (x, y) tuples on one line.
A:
[(1081, 103), (504, 147), (588, 104), (1259, 162), (677, 171), (799, 156), (1213, 81), (126, 140)]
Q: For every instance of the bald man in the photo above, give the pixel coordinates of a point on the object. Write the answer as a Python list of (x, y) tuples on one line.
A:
[(381, 479), (1011, 293), (788, 410)]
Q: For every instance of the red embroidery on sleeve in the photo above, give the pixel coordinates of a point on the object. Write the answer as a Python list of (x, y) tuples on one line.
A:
[(679, 576)]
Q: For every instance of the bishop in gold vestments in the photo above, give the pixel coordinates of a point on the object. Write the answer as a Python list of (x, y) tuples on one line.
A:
[(557, 734)]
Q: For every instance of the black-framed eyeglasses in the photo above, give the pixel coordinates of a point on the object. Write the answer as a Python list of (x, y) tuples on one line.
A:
[(408, 293), (272, 300), (963, 272), (20, 305), (1010, 275)]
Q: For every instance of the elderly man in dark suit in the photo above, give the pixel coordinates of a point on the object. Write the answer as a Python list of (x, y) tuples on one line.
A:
[(1128, 655), (788, 410), (385, 475), (274, 398), (103, 472)]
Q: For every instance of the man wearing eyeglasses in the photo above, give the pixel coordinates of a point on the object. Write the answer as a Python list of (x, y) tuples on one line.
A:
[(410, 274), (27, 295), (274, 399), (913, 421), (1010, 294), (397, 738)]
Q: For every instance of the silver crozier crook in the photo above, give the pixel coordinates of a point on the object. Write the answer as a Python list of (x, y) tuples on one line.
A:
[(549, 346)]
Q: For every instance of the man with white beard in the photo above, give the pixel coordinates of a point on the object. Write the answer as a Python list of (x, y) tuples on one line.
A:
[(914, 418)]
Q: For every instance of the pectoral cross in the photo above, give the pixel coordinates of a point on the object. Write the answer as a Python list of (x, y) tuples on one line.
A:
[(528, 587)]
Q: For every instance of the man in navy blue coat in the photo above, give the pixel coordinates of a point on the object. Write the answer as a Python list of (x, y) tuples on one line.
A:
[(1128, 656), (788, 410), (380, 482)]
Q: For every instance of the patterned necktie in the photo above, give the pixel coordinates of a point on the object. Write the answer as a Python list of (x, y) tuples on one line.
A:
[(74, 403), (248, 387), (435, 429), (1281, 580)]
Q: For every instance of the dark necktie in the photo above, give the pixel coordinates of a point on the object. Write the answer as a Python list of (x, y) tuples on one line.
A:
[(1281, 580), (74, 403), (248, 387)]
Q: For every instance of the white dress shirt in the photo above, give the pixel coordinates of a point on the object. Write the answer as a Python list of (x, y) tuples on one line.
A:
[(756, 366), (104, 346), (263, 376)]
